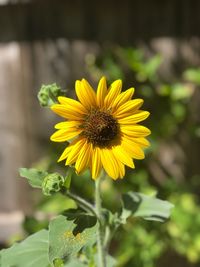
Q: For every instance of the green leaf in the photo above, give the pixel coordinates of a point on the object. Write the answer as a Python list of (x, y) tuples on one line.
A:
[(67, 235), (75, 263), (31, 252), (192, 75), (58, 263), (35, 177), (0, 258), (147, 207)]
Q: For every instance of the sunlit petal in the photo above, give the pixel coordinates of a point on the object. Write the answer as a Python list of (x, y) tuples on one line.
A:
[(85, 94), (101, 92), (113, 92)]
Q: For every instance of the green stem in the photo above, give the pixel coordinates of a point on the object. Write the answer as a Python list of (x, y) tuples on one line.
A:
[(107, 238), (100, 231), (109, 235), (83, 203)]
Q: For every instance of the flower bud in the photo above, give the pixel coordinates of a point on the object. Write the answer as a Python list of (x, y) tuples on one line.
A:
[(52, 183), (48, 94)]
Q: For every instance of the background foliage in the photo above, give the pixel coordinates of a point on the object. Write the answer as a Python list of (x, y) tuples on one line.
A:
[(141, 243), (173, 125)]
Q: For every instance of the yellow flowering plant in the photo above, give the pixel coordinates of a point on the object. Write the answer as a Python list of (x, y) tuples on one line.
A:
[(102, 133), (103, 129)]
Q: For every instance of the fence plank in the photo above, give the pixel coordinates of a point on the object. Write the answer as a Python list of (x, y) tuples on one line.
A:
[(12, 123), (118, 21)]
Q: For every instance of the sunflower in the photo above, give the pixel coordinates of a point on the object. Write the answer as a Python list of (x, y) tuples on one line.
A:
[(102, 128)]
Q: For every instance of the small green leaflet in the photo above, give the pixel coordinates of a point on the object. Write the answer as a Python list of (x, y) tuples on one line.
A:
[(31, 252), (147, 207), (34, 176)]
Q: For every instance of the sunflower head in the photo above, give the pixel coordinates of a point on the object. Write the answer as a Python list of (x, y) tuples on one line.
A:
[(102, 128)]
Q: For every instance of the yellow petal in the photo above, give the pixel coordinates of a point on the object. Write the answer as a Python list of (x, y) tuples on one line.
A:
[(83, 159), (67, 124), (85, 94), (73, 155), (109, 163), (122, 156), (128, 108), (68, 112), (123, 98), (96, 164), (135, 130), (71, 102), (135, 118), (64, 135), (132, 148), (121, 170), (143, 142), (101, 92), (65, 153), (114, 91)]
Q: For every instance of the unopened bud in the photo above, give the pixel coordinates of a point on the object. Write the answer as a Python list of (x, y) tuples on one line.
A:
[(52, 183), (48, 94)]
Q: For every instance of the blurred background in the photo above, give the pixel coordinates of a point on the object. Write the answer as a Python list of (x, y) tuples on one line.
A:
[(152, 45)]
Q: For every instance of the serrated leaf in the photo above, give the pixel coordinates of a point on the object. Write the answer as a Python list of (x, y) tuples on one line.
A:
[(68, 235), (35, 177), (31, 252), (147, 207)]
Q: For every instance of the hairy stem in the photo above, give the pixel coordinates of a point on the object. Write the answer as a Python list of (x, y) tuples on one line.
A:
[(82, 203), (100, 232)]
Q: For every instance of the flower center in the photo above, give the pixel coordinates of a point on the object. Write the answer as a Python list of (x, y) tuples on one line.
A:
[(100, 128)]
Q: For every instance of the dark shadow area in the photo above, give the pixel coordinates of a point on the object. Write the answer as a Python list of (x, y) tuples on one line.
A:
[(81, 220), (115, 21)]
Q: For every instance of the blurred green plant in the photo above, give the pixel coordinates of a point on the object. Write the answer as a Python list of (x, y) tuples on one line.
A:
[(169, 101), (69, 236), (48, 94), (192, 75), (141, 243)]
